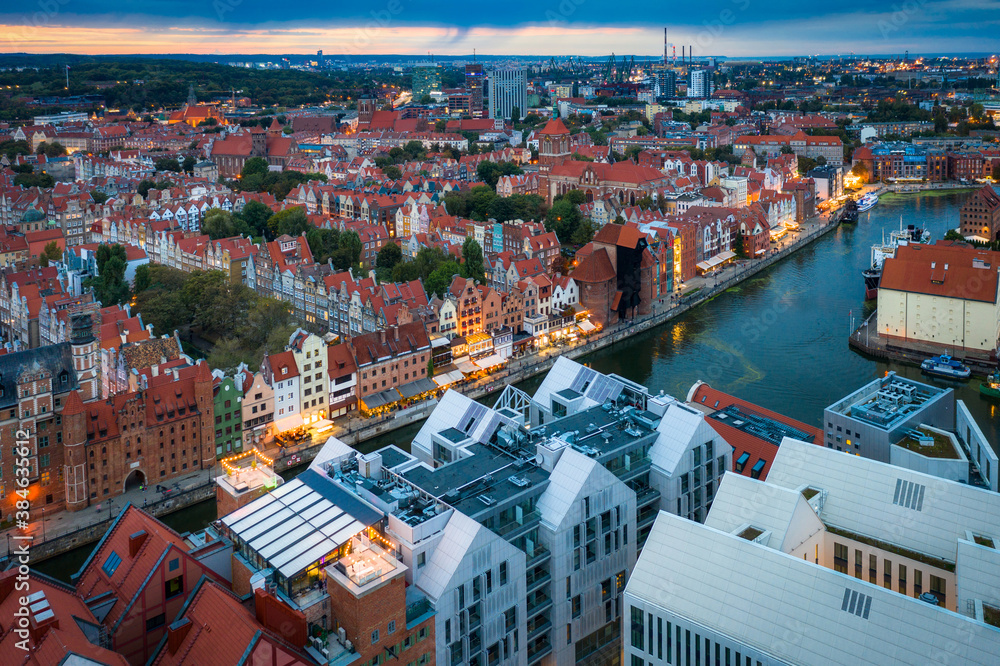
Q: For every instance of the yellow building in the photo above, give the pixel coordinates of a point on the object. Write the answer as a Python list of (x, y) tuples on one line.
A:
[(944, 294)]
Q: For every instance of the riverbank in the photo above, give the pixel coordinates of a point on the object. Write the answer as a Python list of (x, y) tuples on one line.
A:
[(66, 531), (867, 340)]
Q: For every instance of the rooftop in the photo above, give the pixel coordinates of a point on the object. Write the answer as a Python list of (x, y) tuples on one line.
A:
[(886, 402), (929, 443)]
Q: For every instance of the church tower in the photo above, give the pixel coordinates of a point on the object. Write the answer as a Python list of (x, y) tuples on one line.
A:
[(84, 350)]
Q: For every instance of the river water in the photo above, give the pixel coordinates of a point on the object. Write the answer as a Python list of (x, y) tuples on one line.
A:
[(778, 340)]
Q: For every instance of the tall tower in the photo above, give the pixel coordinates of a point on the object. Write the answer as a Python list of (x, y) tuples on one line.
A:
[(192, 98), (366, 108), (84, 351), (74, 434)]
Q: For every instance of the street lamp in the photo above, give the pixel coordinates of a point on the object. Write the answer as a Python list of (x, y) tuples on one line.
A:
[(43, 524)]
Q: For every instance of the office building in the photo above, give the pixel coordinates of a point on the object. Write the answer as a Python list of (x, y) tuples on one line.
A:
[(915, 425), (515, 527), (834, 560), (700, 83), (508, 91), (475, 84), (426, 80)]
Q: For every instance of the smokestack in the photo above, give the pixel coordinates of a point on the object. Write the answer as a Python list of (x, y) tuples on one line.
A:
[(666, 48), (683, 57), (691, 54)]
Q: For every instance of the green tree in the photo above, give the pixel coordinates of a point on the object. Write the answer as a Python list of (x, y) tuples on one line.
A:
[(188, 164), (255, 166), (473, 264), (739, 245), (54, 149), (110, 287), (953, 235), (98, 197), (219, 223), (255, 215), (142, 278), (786, 150), (440, 279), (50, 253), (167, 164), (388, 257), (229, 352), (291, 221), (264, 316), (584, 232), (515, 115), (392, 172), (996, 173)]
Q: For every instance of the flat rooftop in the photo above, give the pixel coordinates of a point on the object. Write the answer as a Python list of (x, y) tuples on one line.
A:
[(929, 443), (603, 429), (887, 402), (479, 481)]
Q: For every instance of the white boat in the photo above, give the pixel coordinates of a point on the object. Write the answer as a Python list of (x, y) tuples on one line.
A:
[(867, 202), (882, 251), (946, 366)]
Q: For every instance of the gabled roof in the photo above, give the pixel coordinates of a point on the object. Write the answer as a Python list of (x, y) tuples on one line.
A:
[(596, 267)]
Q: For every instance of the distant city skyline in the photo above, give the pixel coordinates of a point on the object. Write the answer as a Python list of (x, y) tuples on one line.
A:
[(733, 28)]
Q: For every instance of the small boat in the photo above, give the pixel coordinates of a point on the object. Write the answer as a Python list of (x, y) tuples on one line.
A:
[(850, 214), (867, 202), (882, 251), (991, 387), (946, 366)]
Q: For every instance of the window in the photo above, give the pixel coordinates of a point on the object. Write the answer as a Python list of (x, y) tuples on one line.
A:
[(872, 568), (173, 587), (156, 621), (902, 579), (375, 637), (840, 557), (577, 606), (918, 582), (503, 573), (939, 589), (887, 574), (637, 627), (174, 564), (391, 629), (421, 559), (111, 564)]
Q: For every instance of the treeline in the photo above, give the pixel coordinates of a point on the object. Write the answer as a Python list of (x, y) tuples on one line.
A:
[(481, 203), (239, 324)]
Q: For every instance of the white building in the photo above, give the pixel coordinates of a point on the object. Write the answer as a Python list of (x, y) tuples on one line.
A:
[(508, 89), (835, 559), (700, 83)]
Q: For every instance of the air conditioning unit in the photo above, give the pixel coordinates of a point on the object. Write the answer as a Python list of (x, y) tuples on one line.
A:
[(341, 635)]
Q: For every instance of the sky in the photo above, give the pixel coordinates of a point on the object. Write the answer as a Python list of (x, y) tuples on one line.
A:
[(731, 28)]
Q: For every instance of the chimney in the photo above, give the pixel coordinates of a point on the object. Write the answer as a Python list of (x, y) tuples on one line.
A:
[(135, 542), (382, 335), (395, 330), (176, 633)]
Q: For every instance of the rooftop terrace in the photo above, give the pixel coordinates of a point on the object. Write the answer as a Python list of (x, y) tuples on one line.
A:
[(929, 443), (887, 402)]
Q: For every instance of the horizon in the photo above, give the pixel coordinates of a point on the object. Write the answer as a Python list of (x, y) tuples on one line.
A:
[(735, 28)]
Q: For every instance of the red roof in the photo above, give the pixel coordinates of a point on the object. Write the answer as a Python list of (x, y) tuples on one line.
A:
[(595, 267), (712, 400), (554, 127), (943, 269)]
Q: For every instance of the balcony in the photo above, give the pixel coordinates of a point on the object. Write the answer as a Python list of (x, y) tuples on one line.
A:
[(536, 578), (417, 609), (538, 628), (634, 468), (512, 528), (538, 650), (538, 603), (645, 497), (541, 554)]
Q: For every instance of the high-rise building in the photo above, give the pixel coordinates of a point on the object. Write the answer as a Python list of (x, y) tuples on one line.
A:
[(666, 83), (508, 90), (475, 80), (426, 79), (700, 83)]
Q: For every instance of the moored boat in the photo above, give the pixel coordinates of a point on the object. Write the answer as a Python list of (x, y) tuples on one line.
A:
[(867, 202), (991, 387), (946, 366)]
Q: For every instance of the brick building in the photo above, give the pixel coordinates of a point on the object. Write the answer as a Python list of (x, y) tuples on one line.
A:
[(391, 358), (980, 217)]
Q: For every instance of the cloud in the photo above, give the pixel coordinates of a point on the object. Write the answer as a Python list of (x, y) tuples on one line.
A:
[(453, 27)]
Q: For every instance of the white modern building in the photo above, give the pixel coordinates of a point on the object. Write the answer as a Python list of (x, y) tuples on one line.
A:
[(835, 559), (508, 88), (700, 83)]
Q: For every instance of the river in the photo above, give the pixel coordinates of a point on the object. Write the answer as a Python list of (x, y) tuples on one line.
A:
[(778, 340)]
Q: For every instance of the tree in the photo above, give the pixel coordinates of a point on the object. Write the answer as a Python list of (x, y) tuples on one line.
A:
[(515, 115), (619, 219), (388, 257), (142, 279), (861, 171), (473, 265), (430, 367), (219, 223), (291, 221), (110, 287), (953, 235), (167, 164), (996, 173), (786, 150), (255, 215), (229, 352), (50, 253), (54, 149), (392, 172), (439, 280), (98, 197), (255, 166), (584, 232), (188, 164), (739, 246)]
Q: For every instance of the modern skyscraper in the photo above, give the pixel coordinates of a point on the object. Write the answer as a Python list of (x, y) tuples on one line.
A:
[(475, 79), (700, 84), (426, 79), (666, 83), (508, 89)]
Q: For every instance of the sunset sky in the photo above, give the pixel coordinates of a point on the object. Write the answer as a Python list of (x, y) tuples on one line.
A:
[(450, 27)]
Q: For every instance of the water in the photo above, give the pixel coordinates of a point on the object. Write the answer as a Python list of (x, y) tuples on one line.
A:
[(778, 340)]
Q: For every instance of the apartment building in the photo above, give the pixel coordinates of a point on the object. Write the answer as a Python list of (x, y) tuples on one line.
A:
[(843, 560)]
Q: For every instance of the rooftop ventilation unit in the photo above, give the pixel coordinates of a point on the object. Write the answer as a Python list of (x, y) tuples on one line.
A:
[(487, 500)]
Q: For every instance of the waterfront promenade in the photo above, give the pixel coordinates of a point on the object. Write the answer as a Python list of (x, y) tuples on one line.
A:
[(64, 530)]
